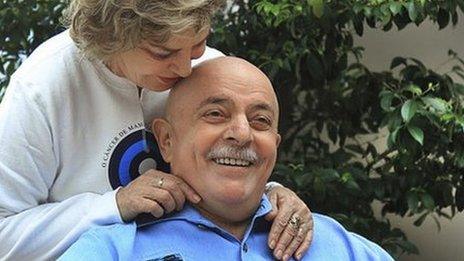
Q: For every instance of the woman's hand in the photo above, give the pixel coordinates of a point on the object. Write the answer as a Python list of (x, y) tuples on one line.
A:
[(292, 229), (154, 192)]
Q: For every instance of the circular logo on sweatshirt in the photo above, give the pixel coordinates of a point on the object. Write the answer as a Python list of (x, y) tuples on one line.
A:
[(134, 155)]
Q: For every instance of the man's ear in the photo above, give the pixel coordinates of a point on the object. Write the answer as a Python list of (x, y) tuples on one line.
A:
[(278, 140), (163, 133)]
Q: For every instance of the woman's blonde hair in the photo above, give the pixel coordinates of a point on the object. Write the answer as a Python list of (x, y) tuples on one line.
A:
[(101, 28)]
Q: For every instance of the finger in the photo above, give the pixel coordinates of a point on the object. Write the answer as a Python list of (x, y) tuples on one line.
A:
[(295, 243), (177, 192), (164, 198), (171, 185), (284, 240), (308, 232), (304, 246), (151, 206), (273, 199), (188, 191), (280, 222)]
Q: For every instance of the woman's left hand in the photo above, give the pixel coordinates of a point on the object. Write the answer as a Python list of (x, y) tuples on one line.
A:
[(292, 229)]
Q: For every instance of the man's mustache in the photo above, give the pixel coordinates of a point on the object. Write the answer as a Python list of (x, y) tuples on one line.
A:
[(234, 152)]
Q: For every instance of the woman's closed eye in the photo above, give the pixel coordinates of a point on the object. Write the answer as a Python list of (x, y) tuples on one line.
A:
[(157, 54)]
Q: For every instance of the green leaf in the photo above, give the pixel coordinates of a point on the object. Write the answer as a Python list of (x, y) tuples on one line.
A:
[(397, 61), (412, 11), (459, 88), (352, 185), (318, 7), (315, 67), (443, 18), (438, 104), (319, 186), (346, 177), (355, 148), (328, 175), (394, 120), (413, 201), (414, 89), (459, 197), (420, 220), (427, 201), (358, 24), (408, 110), (395, 7), (417, 134), (437, 222), (394, 135), (386, 101), (447, 117)]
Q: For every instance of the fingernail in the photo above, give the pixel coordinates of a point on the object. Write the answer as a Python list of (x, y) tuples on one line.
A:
[(196, 199), (279, 254), (285, 258), (298, 256), (272, 245)]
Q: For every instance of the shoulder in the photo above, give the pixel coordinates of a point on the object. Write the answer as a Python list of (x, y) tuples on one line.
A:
[(56, 70), (102, 243), (113, 233), (329, 235), (55, 63), (60, 48)]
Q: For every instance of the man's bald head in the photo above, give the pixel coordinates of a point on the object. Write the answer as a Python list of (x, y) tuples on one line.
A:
[(222, 71)]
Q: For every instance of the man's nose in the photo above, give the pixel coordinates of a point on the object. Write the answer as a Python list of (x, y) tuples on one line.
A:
[(182, 65), (239, 132)]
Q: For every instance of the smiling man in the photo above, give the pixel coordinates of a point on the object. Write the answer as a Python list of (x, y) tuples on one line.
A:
[(219, 135)]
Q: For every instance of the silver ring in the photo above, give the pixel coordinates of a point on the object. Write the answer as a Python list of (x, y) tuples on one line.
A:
[(161, 182), (294, 222)]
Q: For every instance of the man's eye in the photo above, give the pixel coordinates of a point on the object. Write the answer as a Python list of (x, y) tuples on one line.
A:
[(261, 123), (214, 115)]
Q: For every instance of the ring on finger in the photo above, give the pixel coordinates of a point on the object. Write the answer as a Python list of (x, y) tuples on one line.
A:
[(160, 182), (294, 222)]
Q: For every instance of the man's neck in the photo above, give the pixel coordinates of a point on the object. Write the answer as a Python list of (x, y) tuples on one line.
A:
[(235, 228)]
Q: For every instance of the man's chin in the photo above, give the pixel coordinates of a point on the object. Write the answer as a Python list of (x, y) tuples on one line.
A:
[(235, 196)]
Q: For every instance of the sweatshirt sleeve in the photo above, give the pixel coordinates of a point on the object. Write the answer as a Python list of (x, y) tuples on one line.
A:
[(30, 227)]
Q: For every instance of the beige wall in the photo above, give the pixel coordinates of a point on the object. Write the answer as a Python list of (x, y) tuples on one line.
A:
[(429, 45)]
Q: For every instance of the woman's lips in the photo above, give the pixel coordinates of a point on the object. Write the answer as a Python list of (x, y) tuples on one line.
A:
[(168, 81)]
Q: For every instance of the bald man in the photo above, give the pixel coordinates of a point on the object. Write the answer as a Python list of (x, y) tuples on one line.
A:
[(219, 135)]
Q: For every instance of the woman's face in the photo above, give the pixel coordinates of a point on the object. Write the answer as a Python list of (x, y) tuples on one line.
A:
[(159, 67)]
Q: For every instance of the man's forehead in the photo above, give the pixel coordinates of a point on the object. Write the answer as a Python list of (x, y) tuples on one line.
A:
[(259, 101), (225, 79)]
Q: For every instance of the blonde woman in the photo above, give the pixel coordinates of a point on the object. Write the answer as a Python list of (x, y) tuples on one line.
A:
[(74, 150)]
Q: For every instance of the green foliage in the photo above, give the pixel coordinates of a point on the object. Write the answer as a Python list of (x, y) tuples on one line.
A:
[(328, 104), (23, 26), (304, 47)]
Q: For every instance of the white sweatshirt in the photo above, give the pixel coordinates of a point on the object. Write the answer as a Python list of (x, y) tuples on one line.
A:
[(70, 133)]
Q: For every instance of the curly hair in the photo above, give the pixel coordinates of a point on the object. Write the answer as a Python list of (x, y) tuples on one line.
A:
[(101, 28)]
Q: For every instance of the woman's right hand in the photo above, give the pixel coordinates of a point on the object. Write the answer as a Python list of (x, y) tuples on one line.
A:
[(154, 192)]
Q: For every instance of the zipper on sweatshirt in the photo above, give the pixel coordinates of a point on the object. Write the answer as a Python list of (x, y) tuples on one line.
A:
[(140, 93)]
